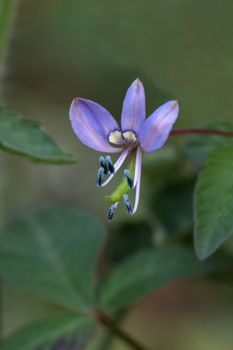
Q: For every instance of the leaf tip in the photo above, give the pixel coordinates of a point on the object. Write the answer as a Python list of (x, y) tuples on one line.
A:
[(202, 253)]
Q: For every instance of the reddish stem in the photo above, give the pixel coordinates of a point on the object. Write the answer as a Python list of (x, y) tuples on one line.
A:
[(197, 131)]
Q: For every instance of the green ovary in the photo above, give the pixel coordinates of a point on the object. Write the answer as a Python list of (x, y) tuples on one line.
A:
[(123, 187)]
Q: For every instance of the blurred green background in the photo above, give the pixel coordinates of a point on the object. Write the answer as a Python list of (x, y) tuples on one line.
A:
[(65, 48)]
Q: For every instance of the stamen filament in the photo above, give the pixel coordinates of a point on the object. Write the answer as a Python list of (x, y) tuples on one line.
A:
[(117, 165), (123, 187), (137, 166), (137, 178)]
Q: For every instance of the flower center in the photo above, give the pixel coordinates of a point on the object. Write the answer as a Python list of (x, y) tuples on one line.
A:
[(118, 138), (129, 136), (115, 137)]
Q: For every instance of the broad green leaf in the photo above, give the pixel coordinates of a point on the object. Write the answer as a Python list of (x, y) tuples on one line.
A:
[(149, 270), (127, 238), (66, 332), (214, 203), (27, 138), (53, 252), (172, 205), (199, 147)]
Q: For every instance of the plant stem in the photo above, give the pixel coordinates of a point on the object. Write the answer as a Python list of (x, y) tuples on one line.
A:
[(197, 131), (108, 336), (109, 324)]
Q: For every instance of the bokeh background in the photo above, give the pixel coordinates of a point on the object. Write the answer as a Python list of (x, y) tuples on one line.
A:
[(94, 48)]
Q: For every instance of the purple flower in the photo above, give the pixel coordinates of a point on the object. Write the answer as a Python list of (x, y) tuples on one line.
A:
[(96, 128)]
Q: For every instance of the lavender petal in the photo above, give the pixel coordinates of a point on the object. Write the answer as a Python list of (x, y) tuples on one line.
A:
[(92, 125), (134, 110), (156, 129)]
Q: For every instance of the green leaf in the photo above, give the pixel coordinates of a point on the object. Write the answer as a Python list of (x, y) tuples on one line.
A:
[(127, 238), (149, 270), (214, 203), (51, 333), (199, 147), (53, 252), (172, 205), (26, 137)]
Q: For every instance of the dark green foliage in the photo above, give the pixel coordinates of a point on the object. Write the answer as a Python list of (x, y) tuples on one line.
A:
[(214, 203), (173, 206), (27, 138)]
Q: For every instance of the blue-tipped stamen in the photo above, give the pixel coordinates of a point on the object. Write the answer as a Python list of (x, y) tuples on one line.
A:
[(112, 210), (128, 204), (128, 178), (103, 164), (109, 164), (100, 176)]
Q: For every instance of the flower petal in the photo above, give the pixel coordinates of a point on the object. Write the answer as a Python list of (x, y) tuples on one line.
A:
[(93, 124), (156, 129), (134, 109)]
